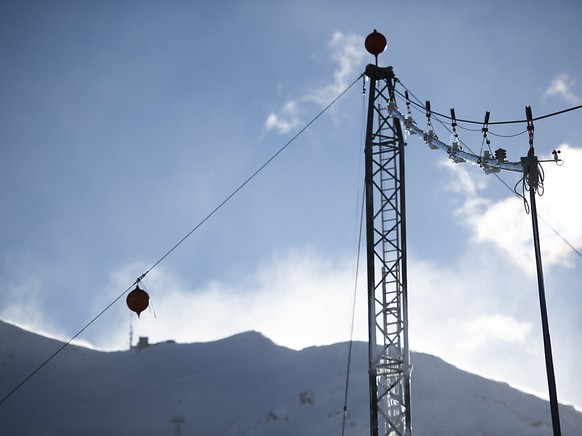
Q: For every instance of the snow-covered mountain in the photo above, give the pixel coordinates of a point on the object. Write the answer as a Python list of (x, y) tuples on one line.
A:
[(242, 385)]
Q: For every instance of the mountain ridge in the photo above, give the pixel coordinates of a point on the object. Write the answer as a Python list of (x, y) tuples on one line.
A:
[(242, 385)]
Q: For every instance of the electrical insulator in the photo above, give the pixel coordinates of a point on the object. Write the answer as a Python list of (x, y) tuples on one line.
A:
[(454, 148), (500, 155)]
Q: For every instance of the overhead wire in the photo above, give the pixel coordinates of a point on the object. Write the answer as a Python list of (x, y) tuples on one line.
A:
[(62, 347), (513, 135), (508, 136), (351, 341), (553, 114), (356, 271), (461, 120), (252, 176), (420, 108), (181, 241)]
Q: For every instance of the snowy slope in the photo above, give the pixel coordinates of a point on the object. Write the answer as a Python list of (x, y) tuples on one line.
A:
[(243, 385)]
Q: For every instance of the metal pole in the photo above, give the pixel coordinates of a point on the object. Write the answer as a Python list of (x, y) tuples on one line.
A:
[(544, 315), (531, 173)]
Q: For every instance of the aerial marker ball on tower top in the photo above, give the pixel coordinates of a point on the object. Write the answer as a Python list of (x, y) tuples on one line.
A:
[(138, 300), (375, 43)]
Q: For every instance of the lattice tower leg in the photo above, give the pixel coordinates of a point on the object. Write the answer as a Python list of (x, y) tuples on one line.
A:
[(389, 356)]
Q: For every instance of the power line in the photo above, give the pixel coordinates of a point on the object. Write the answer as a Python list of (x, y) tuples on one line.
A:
[(552, 228), (251, 177), (360, 219), (518, 195), (460, 120), (350, 344), (553, 114), (176, 245), (507, 136), (421, 108), (52, 356)]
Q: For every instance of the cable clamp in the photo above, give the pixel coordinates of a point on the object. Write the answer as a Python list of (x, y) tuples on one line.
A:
[(429, 135), (428, 114), (530, 126), (408, 120), (454, 143), (454, 121), (485, 128), (454, 148), (485, 140)]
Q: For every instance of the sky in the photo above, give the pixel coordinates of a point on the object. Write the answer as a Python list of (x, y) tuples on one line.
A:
[(124, 124)]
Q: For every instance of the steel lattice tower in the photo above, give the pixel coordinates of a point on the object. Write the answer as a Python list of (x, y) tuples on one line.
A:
[(389, 355)]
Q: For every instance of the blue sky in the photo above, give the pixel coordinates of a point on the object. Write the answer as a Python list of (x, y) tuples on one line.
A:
[(123, 124)]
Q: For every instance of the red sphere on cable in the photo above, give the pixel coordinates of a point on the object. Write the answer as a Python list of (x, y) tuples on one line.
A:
[(138, 300)]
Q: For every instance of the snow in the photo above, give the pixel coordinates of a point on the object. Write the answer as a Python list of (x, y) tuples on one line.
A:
[(242, 385)]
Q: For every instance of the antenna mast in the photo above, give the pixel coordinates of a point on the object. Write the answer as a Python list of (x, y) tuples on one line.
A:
[(388, 349)]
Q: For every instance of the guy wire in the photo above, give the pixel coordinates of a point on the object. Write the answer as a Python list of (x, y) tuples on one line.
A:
[(175, 246)]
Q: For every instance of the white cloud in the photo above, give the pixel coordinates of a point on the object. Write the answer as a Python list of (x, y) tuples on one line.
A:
[(347, 51), (297, 299), (24, 309), (505, 223), (24, 306), (479, 311), (479, 314), (451, 302), (556, 207), (469, 311), (461, 182), (562, 85), (476, 310), (286, 119), (492, 328)]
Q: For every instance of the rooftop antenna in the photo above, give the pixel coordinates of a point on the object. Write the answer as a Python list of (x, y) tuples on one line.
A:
[(178, 421), (130, 332)]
